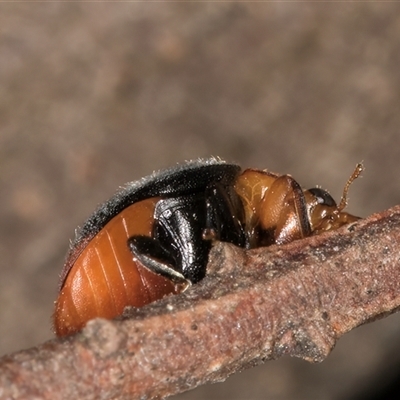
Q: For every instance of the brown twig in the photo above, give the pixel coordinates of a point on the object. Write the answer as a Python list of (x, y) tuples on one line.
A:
[(253, 306)]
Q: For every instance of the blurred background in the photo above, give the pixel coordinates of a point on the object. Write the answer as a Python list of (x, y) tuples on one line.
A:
[(93, 95)]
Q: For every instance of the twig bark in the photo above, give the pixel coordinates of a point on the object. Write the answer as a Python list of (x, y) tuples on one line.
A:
[(253, 306)]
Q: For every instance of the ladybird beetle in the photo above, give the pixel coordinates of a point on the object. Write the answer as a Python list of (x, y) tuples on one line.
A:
[(152, 238)]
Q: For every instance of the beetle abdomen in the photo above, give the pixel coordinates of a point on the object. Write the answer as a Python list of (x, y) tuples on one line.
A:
[(106, 278)]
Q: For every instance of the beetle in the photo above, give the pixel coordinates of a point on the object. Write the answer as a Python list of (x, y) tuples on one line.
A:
[(152, 238)]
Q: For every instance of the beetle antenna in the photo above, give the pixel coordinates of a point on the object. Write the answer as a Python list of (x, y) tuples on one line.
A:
[(356, 173)]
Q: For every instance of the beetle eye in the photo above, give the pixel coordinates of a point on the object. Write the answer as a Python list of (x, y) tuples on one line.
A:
[(323, 197)]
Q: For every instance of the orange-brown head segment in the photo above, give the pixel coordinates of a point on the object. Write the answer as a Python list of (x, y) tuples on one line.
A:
[(275, 208), (324, 213), (278, 211)]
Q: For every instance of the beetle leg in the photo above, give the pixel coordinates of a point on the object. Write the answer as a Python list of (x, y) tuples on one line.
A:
[(183, 229), (178, 226), (284, 212), (151, 254)]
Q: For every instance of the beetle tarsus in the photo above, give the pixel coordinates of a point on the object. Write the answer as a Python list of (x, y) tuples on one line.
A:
[(151, 254)]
